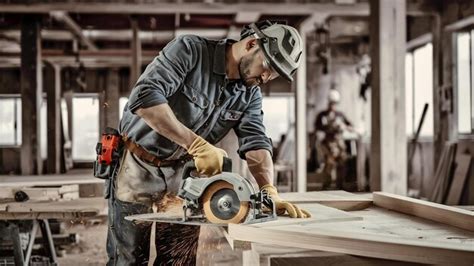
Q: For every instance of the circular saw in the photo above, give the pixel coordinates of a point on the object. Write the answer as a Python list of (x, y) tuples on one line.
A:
[(217, 200), (224, 198)]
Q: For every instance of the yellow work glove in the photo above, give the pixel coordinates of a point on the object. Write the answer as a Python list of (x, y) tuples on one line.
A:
[(207, 158), (282, 206)]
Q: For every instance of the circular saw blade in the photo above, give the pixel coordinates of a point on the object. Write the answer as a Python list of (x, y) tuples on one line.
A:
[(222, 205)]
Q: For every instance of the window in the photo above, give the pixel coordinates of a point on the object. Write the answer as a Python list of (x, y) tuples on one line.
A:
[(419, 89), (278, 115), (10, 123), (464, 80), (85, 126), (122, 102)]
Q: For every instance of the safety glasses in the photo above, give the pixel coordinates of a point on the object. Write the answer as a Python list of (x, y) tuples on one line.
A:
[(268, 67)]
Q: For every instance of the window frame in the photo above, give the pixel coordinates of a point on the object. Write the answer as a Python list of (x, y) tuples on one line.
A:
[(425, 40), (470, 31)]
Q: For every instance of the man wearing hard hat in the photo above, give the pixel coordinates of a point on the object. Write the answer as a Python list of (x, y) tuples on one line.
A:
[(329, 125), (187, 99)]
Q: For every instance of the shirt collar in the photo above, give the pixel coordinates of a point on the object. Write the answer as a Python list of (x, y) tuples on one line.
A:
[(219, 56)]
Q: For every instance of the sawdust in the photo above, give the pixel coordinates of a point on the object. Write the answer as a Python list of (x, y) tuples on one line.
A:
[(171, 204)]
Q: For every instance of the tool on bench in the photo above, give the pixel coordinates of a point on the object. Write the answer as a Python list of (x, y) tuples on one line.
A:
[(108, 153), (218, 200)]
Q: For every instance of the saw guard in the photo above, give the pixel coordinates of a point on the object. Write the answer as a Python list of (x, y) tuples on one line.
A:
[(206, 204)]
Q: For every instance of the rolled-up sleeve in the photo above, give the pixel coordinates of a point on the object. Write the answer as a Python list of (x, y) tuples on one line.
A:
[(165, 74), (250, 130)]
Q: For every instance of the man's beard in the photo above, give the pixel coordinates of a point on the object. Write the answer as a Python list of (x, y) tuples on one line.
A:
[(244, 70)]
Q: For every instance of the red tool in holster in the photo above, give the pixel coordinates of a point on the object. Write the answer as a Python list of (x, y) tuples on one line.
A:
[(108, 153)]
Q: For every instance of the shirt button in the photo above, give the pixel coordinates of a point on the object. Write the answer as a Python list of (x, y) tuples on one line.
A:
[(194, 98)]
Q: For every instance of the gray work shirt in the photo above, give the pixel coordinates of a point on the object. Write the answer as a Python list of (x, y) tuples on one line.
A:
[(189, 75)]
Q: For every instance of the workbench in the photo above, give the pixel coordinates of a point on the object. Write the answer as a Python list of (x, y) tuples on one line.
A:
[(360, 229), (11, 214)]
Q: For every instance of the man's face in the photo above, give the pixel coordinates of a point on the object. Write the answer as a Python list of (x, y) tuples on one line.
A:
[(254, 69)]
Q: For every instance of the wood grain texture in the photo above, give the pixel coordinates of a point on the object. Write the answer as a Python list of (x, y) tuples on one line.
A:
[(338, 199), (357, 244), (459, 179), (432, 211), (80, 208)]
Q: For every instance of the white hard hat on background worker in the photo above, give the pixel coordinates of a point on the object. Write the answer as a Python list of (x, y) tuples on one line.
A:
[(334, 96)]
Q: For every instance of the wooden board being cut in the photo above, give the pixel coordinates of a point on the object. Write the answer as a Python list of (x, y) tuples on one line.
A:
[(338, 199), (381, 234), (319, 214)]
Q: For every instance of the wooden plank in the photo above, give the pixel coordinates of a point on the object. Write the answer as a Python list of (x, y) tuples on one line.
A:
[(459, 179), (320, 214), (58, 206), (234, 244), (341, 200), (357, 244), (388, 166), (49, 180), (424, 209)]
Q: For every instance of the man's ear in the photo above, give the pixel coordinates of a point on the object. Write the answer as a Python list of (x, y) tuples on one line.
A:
[(251, 43)]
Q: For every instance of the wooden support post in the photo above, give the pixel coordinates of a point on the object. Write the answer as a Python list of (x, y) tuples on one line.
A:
[(31, 89), (300, 132), (53, 98), (135, 67), (388, 166), (110, 100), (444, 95)]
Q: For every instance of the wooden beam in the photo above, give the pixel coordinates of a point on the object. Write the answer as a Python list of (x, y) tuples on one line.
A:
[(424, 209), (388, 166), (53, 99), (75, 29), (185, 7), (31, 91), (138, 7), (109, 111), (136, 47)]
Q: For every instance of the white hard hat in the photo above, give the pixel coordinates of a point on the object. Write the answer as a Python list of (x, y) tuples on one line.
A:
[(334, 96)]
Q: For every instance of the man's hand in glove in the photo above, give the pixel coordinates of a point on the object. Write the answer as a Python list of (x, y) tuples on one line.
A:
[(207, 158), (282, 206)]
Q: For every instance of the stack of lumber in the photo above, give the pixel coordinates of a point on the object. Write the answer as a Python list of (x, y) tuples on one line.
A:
[(443, 173), (394, 227), (64, 209), (53, 193), (451, 175)]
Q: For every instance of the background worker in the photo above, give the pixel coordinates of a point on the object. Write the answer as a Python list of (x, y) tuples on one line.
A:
[(329, 125), (187, 99)]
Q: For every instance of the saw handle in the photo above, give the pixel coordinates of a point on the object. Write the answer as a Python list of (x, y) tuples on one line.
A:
[(190, 166)]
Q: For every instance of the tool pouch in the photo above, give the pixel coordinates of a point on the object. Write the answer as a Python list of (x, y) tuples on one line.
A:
[(108, 152)]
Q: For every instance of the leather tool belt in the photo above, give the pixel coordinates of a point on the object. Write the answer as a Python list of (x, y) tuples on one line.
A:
[(149, 158)]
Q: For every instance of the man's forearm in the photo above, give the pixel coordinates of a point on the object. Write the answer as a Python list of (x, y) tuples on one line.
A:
[(162, 119), (261, 166)]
